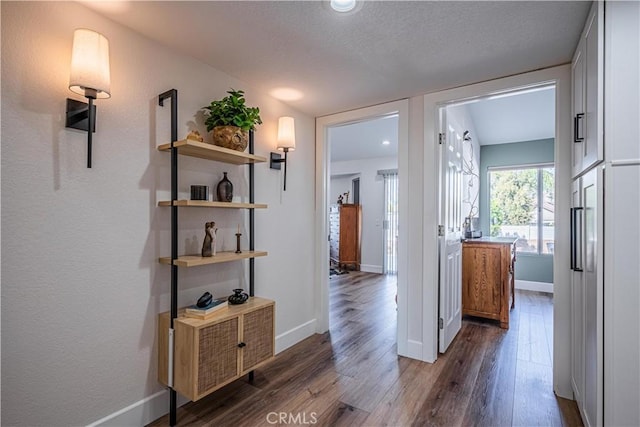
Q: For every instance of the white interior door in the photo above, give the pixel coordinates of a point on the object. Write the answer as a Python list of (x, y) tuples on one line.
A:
[(450, 252)]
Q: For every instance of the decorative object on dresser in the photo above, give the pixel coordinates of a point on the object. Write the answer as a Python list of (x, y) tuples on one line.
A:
[(229, 120), (286, 143), (238, 297), (90, 77), (488, 271), (199, 192), (209, 243), (345, 224), (194, 135), (224, 189), (205, 307), (204, 300)]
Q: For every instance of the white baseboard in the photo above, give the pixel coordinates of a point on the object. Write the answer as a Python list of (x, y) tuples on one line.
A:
[(367, 268), (527, 285), (155, 406), (142, 412), (295, 335)]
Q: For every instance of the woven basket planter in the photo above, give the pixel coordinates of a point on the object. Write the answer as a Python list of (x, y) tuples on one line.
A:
[(231, 137)]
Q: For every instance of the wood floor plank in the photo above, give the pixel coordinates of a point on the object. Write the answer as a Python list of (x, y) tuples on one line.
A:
[(404, 400), (369, 389), (452, 390), (535, 404), (342, 415), (492, 396)]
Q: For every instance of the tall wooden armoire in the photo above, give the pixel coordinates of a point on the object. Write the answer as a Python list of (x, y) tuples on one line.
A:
[(345, 227)]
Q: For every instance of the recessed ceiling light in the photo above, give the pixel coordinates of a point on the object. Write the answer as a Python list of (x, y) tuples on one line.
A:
[(343, 5), (386, 142)]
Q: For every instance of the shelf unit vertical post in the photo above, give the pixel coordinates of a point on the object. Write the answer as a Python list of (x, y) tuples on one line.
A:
[(173, 95), (251, 226), (251, 218)]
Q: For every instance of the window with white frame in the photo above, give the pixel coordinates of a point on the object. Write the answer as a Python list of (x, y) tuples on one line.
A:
[(522, 205)]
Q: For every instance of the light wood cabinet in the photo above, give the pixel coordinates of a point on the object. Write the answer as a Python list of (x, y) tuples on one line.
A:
[(214, 352), (345, 228), (488, 269)]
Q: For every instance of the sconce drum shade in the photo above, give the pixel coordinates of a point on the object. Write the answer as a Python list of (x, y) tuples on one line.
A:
[(90, 75), (286, 134)]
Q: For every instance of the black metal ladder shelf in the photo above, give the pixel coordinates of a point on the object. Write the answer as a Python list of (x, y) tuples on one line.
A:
[(172, 95)]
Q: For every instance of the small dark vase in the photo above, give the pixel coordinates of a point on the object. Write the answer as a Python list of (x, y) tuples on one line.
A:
[(225, 189), (238, 297)]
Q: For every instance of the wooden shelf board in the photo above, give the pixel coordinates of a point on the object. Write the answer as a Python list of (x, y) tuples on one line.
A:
[(209, 204), (189, 147), (197, 260)]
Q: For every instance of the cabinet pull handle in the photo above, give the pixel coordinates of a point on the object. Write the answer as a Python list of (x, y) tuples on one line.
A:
[(574, 240), (577, 128), (242, 345)]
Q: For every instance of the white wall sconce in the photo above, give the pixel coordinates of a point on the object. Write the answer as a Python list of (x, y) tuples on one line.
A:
[(90, 77), (286, 143)]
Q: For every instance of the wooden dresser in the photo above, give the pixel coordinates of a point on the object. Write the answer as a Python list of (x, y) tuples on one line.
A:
[(488, 270), (345, 225)]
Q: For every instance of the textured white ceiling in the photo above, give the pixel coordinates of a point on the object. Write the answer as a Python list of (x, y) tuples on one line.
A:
[(363, 140), (518, 117), (384, 51)]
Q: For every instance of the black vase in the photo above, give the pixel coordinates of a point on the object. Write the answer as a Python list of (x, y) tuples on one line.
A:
[(238, 297), (225, 189)]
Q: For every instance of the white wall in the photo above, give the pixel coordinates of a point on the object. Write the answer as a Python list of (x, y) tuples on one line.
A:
[(340, 185), (372, 201), (81, 285)]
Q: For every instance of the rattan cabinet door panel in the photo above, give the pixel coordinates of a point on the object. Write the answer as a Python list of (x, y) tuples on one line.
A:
[(218, 354), (258, 335)]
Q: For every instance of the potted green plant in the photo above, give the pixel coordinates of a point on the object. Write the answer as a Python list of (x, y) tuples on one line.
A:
[(229, 120)]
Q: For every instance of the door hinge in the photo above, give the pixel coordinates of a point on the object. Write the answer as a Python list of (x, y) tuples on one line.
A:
[(441, 230), (441, 138), (440, 323)]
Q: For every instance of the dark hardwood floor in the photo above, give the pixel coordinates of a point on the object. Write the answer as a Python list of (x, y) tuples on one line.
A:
[(352, 375)]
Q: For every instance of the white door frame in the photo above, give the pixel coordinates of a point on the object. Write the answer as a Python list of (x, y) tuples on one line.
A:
[(561, 77), (323, 124)]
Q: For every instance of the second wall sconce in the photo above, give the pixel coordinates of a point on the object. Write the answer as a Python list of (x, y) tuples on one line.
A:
[(286, 143), (90, 77)]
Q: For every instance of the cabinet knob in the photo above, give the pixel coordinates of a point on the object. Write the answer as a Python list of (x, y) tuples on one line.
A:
[(242, 345)]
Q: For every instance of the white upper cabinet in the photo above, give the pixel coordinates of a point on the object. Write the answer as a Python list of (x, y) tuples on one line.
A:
[(588, 84), (622, 82)]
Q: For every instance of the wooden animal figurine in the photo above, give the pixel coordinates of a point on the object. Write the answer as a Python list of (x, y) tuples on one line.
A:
[(208, 239)]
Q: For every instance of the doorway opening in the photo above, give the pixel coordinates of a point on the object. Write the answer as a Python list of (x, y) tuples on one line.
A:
[(363, 156), (497, 184), (341, 177)]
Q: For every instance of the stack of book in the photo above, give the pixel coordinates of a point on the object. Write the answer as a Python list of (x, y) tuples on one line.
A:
[(206, 312)]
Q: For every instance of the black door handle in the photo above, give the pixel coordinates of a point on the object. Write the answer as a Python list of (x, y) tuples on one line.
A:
[(573, 239), (577, 128)]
